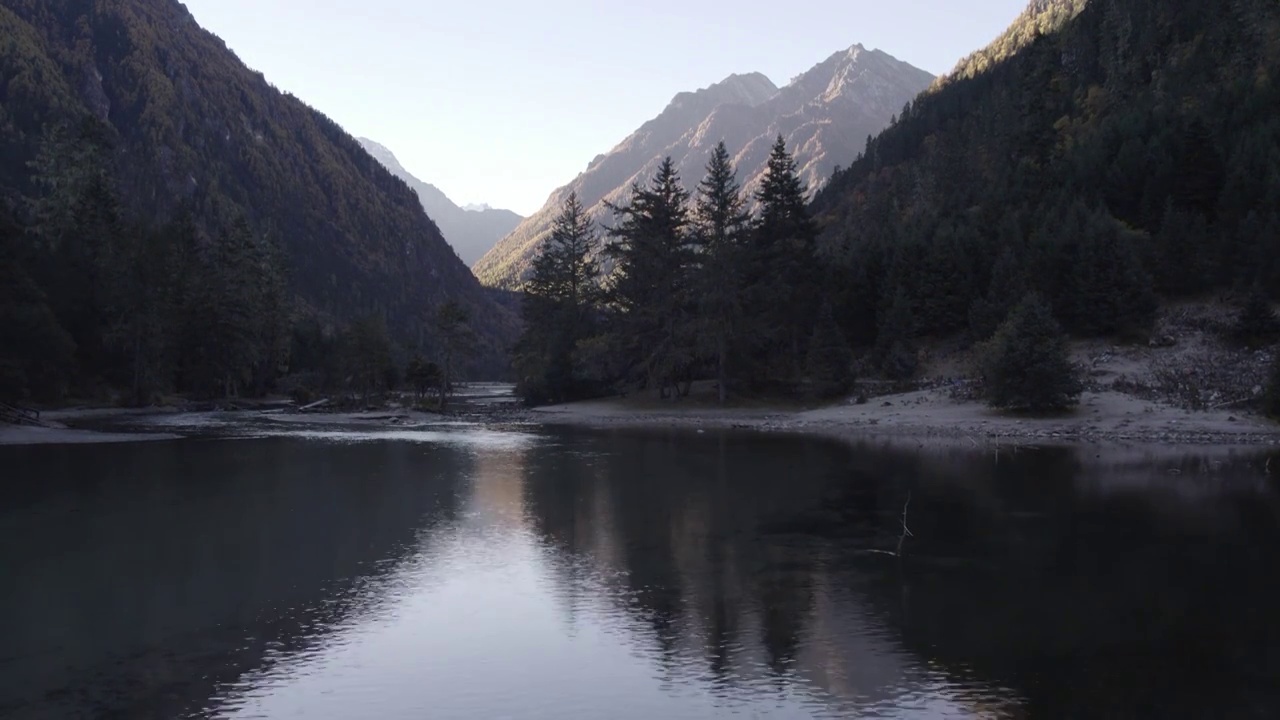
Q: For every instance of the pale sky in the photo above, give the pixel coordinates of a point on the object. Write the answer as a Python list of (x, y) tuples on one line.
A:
[(502, 102)]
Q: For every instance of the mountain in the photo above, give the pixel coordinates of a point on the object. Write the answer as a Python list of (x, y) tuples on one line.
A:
[(1103, 154), (190, 126), (825, 115), (472, 230)]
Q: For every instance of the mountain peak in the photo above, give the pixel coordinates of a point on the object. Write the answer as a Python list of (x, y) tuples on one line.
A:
[(824, 116), (855, 72)]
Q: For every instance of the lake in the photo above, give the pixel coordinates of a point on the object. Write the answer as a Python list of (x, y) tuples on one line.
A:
[(463, 572)]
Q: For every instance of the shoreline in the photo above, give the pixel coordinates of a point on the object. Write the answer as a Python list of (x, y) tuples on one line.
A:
[(1103, 418)]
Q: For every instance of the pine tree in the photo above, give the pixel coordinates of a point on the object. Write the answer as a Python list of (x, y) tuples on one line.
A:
[(566, 269), (1027, 366), (651, 286), (830, 359), (367, 355), (423, 376), (140, 321), (457, 340), (1008, 287), (722, 223), (558, 308), (36, 353), (232, 304), (1184, 262), (944, 275), (78, 226), (782, 270), (1105, 289), (235, 313), (895, 351)]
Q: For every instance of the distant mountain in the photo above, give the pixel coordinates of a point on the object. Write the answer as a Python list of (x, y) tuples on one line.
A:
[(825, 114), (192, 126), (471, 230)]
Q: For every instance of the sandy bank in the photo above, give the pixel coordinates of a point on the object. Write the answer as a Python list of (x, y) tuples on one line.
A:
[(22, 435), (1102, 417)]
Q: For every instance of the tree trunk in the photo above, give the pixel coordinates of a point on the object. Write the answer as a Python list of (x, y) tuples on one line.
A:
[(797, 364), (446, 380), (721, 381), (137, 368)]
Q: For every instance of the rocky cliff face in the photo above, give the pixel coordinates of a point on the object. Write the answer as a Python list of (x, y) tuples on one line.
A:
[(825, 114)]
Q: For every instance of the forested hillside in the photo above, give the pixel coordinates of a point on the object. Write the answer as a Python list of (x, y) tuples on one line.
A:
[(1094, 160), (1104, 156), (135, 148)]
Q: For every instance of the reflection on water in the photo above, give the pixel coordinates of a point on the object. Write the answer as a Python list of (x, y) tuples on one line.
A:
[(631, 575)]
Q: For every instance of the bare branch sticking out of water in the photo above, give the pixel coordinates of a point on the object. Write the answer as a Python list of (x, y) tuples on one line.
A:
[(906, 531)]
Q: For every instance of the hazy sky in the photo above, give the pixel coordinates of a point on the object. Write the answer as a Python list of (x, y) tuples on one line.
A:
[(502, 102)]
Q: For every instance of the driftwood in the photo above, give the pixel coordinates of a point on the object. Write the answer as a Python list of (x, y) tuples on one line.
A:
[(17, 415), (314, 406), (1232, 403), (906, 532)]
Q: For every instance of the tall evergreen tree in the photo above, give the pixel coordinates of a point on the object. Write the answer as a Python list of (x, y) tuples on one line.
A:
[(36, 353), (830, 359), (234, 313), (141, 311), (457, 340), (1008, 288), (651, 286), (233, 296), (783, 270), (895, 352), (559, 307), (1096, 280), (80, 230), (367, 355), (722, 224)]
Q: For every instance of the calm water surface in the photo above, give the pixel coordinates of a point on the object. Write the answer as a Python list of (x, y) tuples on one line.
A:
[(465, 573)]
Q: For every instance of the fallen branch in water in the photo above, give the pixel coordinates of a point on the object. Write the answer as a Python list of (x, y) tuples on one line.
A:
[(906, 531)]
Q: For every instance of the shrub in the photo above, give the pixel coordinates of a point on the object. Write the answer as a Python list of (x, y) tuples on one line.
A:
[(1026, 365), (1256, 324)]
